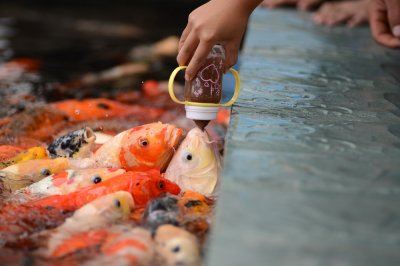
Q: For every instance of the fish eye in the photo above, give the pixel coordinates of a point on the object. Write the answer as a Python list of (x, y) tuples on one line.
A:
[(176, 249), (96, 179), (161, 185), (117, 203), (188, 156), (143, 142), (45, 172)]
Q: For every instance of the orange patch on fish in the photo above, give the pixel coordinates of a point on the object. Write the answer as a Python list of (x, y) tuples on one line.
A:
[(80, 241), (60, 179), (111, 249)]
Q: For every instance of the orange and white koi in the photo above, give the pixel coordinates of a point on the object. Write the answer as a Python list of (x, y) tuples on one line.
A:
[(143, 186), (25, 173), (137, 149), (99, 213), (134, 247), (69, 181)]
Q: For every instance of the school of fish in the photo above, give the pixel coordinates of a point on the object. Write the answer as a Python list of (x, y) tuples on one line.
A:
[(103, 182)]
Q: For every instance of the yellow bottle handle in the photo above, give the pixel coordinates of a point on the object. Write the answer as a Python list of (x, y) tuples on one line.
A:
[(229, 103)]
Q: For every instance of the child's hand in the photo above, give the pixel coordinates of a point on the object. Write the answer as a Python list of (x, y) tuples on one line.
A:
[(218, 21), (384, 18), (301, 4)]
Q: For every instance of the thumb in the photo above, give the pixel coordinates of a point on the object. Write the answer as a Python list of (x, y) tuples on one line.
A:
[(393, 9)]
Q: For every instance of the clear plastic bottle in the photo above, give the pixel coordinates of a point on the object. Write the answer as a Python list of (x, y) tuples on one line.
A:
[(206, 87)]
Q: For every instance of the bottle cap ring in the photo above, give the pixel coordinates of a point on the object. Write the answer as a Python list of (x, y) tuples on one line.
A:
[(228, 103)]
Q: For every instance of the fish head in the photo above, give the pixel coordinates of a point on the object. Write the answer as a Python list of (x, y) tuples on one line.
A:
[(194, 203), (111, 207), (149, 146), (76, 144), (196, 164), (177, 246), (151, 186), (162, 186), (38, 169), (73, 180)]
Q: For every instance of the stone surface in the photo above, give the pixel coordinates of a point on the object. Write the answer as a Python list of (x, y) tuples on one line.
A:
[(312, 164)]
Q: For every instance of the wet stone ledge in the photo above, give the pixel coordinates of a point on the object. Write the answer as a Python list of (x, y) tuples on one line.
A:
[(312, 164)]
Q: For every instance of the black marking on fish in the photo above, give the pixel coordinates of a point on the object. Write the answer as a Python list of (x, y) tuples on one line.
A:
[(192, 203), (68, 145), (161, 211), (103, 106)]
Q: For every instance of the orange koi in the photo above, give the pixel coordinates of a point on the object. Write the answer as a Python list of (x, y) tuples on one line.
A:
[(39, 123), (101, 108), (143, 186)]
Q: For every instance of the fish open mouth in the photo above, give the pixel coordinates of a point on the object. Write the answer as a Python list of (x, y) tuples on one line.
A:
[(89, 135), (173, 136)]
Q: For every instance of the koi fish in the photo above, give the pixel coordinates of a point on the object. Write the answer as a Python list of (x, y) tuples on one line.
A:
[(196, 165), (76, 144), (100, 213), (176, 246), (69, 181), (30, 154), (164, 210), (143, 186), (94, 109), (24, 174), (140, 148)]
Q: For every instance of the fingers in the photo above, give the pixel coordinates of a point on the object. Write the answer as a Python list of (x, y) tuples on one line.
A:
[(355, 21), (198, 59), (380, 26), (231, 56), (330, 14), (184, 36), (276, 3), (307, 4), (187, 50)]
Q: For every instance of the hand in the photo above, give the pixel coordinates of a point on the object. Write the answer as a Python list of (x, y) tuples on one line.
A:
[(301, 4), (384, 18), (351, 12), (218, 21)]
